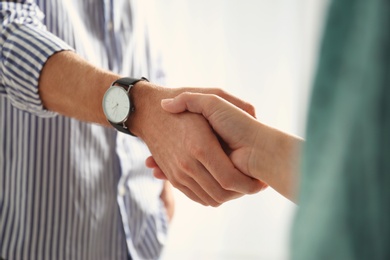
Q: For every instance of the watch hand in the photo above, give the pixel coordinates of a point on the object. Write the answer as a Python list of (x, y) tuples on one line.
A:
[(115, 112)]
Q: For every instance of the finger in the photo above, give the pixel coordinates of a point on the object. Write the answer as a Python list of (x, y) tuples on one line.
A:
[(192, 196), (247, 107), (224, 172), (150, 162), (232, 179), (174, 105), (159, 174), (206, 188), (208, 105), (243, 105), (211, 186), (183, 181), (194, 102), (196, 192)]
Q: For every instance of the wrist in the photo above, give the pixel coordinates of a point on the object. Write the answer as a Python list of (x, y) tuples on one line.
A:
[(258, 151), (276, 160), (145, 97), (268, 152)]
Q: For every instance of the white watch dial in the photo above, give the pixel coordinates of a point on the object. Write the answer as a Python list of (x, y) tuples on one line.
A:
[(116, 104)]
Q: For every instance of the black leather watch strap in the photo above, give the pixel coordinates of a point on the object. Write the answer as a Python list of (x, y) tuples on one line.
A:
[(126, 83), (120, 128)]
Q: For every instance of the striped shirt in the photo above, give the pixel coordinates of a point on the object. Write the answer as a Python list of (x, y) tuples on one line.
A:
[(69, 189)]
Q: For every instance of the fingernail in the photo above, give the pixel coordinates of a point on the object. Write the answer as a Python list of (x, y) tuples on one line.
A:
[(166, 101)]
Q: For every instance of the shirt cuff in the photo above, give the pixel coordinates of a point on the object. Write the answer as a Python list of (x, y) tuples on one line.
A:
[(24, 52)]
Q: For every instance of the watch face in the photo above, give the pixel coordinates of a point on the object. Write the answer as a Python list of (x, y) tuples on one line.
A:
[(116, 104)]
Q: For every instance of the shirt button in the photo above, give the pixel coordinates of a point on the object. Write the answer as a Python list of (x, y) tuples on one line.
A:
[(122, 190)]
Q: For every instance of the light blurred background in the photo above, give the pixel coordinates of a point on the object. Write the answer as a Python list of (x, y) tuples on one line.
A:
[(263, 51)]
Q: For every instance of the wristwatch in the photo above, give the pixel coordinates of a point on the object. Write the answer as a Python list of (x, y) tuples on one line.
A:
[(118, 104)]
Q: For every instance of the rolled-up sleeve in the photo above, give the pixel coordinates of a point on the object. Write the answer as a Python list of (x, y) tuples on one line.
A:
[(25, 45)]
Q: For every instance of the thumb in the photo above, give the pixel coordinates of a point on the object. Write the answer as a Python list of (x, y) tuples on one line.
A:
[(173, 105), (192, 102)]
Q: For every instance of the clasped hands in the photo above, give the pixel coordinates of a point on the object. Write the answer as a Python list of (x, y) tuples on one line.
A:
[(201, 143)]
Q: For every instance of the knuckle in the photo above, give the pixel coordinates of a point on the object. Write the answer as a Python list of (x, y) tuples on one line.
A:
[(175, 183), (184, 165), (178, 180), (197, 151)]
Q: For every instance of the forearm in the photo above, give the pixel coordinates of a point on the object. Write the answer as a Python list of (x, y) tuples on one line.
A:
[(276, 160), (73, 87)]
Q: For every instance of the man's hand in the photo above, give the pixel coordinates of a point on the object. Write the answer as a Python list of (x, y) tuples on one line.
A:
[(186, 149)]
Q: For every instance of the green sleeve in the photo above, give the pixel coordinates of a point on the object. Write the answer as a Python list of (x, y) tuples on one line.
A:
[(344, 210)]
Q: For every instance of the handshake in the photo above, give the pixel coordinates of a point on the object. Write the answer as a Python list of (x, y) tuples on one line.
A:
[(210, 146)]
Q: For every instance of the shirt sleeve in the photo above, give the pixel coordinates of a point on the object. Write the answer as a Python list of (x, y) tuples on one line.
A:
[(25, 46)]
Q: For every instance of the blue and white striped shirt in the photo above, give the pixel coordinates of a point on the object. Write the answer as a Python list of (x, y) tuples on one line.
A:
[(69, 189)]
